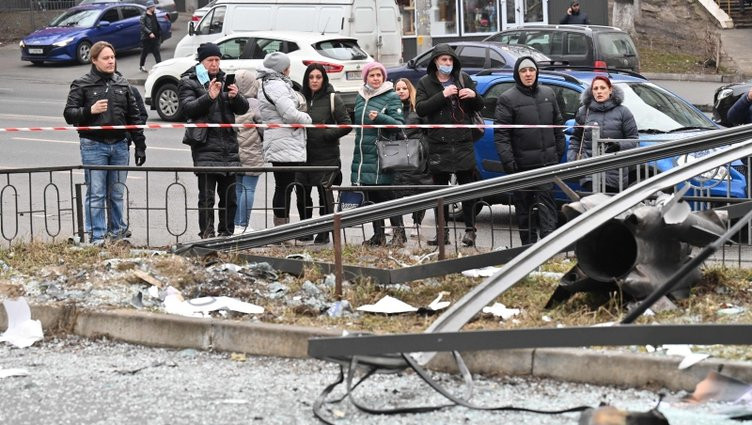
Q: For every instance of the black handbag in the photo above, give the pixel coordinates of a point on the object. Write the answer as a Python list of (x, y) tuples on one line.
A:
[(195, 136), (400, 153)]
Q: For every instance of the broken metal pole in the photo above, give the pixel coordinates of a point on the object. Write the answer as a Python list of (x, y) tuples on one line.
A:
[(440, 229)]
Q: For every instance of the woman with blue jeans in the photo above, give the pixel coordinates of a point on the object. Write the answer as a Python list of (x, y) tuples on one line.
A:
[(250, 150), (104, 97)]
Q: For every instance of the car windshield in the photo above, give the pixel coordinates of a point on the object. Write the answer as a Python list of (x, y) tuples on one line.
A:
[(520, 51), (656, 109), (76, 18), (344, 50)]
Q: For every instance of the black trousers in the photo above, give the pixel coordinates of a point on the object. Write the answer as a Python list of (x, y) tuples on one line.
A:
[(224, 186), (542, 198), (468, 207), (284, 182), (149, 46), (375, 197)]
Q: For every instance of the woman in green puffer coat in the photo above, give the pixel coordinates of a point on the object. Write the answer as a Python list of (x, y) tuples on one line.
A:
[(377, 103)]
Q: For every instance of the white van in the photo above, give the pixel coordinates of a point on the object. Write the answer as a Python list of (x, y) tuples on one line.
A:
[(376, 24)]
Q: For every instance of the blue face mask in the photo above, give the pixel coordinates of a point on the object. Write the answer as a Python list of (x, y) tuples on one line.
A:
[(446, 69), (202, 74)]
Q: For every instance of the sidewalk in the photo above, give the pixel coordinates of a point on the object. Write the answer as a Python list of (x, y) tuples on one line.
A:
[(603, 367), (736, 43)]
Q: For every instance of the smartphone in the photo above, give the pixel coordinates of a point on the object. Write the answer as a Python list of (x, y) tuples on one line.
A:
[(229, 79)]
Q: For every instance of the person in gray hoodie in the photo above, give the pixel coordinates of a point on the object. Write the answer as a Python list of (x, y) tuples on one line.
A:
[(602, 106), (283, 147), (249, 149)]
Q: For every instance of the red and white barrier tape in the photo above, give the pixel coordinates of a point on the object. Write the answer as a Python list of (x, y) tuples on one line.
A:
[(320, 126)]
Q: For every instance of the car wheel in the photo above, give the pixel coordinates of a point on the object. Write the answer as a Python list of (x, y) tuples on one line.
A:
[(37, 63), (168, 105), (83, 52)]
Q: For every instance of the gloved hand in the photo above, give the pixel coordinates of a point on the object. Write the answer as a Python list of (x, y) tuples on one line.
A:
[(612, 147), (140, 156)]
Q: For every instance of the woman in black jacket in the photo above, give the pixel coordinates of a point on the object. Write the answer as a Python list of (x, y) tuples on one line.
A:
[(446, 95), (406, 92), (322, 145)]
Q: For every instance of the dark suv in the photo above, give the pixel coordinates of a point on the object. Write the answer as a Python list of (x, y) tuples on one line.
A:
[(578, 45)]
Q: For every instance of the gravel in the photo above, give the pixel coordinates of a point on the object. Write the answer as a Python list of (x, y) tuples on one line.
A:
[(78, 381)]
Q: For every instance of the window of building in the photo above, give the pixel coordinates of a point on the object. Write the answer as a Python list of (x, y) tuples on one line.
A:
[(407, 10), (443, 17), (480, 16)]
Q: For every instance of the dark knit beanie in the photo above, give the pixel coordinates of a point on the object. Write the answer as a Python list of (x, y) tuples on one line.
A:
[(206, 50)]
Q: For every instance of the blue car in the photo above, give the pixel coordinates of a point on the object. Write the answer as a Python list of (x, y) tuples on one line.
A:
[(68, 38), (474, 57), (660, 115)]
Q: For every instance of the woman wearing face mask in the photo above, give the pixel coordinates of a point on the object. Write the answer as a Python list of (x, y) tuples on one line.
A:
[(602, 106), (406, 92), (324, 107), (377, 103), (446, 95)]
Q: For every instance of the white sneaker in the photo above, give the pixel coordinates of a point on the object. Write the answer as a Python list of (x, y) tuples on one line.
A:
[(239, 230)]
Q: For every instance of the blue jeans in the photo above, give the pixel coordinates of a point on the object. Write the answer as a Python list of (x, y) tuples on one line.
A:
[(104, 185), (245, 189)]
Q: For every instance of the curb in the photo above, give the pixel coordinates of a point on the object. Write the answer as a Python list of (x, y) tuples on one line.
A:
[(577, 365), (710, 78)]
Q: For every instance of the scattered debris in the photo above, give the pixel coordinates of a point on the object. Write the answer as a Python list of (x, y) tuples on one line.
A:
[(500, 310), (22, 332), (201, 307), (730, 310), (482, 272), (139, 369), (146, 277), (8, 373), (238, 357), (685, 351), (339, 308), (388, 305)]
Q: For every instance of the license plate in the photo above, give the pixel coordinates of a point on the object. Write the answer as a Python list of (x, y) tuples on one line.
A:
[(354, 75), (36, 51)]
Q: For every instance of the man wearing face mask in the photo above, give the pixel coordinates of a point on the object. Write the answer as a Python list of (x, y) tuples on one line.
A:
[(204, 99), (446, 95), (522, 149)]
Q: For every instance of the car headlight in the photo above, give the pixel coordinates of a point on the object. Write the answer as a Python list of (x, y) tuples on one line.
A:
[(724, 93), (710, 178), (21, 44), (63, 43)]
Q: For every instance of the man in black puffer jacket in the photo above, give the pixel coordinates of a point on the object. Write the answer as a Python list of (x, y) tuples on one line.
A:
[(446, 95), (202, 99), (522, 149)]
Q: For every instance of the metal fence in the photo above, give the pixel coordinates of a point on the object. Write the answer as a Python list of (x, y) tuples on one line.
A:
[(37, 5)]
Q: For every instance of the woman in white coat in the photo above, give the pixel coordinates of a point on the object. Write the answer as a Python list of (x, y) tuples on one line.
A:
[(283, 147)]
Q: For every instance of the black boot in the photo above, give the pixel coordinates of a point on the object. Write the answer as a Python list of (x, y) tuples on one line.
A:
[(321, 238), (469, 238), (435, 240), (399, 238), (378, 238)]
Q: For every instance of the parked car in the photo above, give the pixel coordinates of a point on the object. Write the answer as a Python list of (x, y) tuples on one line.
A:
[(341, 56), (165, 5), (69, 36), (579, 45), (474, 56), (725, 97), (199, 13), (660, 115)]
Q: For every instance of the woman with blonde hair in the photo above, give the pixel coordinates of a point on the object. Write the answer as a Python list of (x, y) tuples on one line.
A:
[(406, 92)]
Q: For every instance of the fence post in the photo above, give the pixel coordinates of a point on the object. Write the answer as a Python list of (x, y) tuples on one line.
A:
[(79, 213), (595, 135), (337, 241), (441, 225)]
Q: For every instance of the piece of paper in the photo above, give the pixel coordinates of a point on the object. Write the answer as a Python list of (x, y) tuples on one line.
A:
[(388, 305), (482, 272), (437, 304), (7, 373), (685, 351), (22, 332), (500, 310), (202, 306)]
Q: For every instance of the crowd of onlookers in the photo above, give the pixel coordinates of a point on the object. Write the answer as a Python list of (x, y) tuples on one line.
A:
[(445, 95)]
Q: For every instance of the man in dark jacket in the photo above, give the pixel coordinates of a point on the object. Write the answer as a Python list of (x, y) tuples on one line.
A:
[(575, 15), (104, 97), (151, 35), (202, 99), (446, 95), (741, 111), (522, 149)]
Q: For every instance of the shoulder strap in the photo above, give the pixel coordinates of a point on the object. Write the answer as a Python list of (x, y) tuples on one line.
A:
[(263, 89)]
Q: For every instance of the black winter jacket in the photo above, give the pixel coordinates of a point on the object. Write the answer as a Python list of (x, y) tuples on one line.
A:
[(122, 108), (322, 145), (149, 24), (523, 149), (221, 146), (453, 149)]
